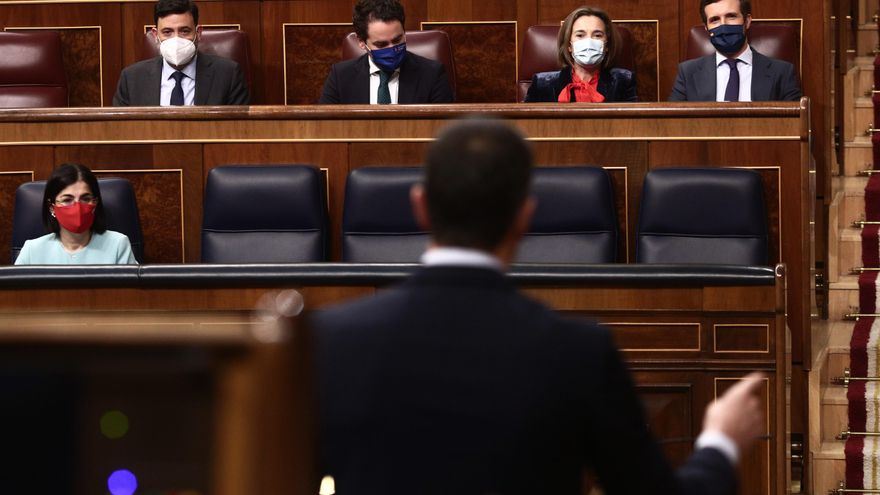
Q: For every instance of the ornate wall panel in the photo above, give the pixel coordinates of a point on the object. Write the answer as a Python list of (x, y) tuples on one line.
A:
[(309, 51), (9, 182), (483, 75)]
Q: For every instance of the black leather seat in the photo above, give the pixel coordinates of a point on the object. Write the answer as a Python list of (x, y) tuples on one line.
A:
[(120, 208), (265, 214), (378, 225), (575, 220), (714, 216)]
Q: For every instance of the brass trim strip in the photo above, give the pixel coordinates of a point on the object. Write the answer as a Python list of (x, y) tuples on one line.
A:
[(393, 140), (661, 324), (284, 45), (61, 28), (182, 206), (841, 489), (325, 173), (847, 378), (846, 434), (19, 172), (515, 39), (715, 337)]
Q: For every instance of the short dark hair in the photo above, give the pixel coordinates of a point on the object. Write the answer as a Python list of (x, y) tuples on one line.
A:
[(745, 8), (367, 11), (63, 176), (165, 8), (478, 176), (612, 37)]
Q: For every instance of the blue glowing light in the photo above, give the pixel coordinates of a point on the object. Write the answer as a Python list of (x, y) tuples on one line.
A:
[(122, 482)]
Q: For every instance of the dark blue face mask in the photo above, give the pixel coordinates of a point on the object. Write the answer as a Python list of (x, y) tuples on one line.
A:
[(728, 38), (389, 59)]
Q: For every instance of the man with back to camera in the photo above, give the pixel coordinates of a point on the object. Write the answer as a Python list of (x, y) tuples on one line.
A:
[(387, 73), (453, 382), (736, 72), (180, 75)]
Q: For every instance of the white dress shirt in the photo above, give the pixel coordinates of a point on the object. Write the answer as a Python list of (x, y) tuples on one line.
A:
[(188, 83), (722, 76), (393, 83), (458, 256)]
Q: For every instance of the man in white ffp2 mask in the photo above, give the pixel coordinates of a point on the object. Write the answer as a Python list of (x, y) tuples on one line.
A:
[(180, 75)]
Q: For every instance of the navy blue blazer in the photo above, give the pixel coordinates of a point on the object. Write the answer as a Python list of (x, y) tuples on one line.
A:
[(422, 80), (772, 80), (454, 382), (614, 84)]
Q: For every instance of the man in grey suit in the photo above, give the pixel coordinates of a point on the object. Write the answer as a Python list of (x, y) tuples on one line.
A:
[(736, 72), (180, 75)]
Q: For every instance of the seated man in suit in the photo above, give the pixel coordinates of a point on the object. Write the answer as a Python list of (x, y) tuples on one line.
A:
[(735, 72), (387, 73), (454, 382), (180, 76)]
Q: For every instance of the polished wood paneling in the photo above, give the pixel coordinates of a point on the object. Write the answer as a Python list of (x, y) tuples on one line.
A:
[(481, 75), (669, 406), (741, 338), (308, 57), (646, 40), (9, 182)]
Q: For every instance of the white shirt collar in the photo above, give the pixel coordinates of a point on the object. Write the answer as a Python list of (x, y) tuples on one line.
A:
[(189, 69), (458, 256), (746, 57)]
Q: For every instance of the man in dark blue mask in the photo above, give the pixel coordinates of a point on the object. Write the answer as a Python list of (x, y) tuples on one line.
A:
[(735, 72), (387, 73)]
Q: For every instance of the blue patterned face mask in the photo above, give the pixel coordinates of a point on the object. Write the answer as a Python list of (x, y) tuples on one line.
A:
[(389, 59), (728, 38)]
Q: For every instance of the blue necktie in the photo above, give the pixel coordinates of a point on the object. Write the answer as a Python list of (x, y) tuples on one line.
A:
[(732, 91), (177, 92)]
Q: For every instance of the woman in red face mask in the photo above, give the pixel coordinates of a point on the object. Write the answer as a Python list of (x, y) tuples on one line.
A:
[(74, 215)]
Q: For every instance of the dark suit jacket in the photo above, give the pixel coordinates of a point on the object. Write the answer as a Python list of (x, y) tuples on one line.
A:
[(422, 80), (614, 84), (772, 80), (453, 382), (219, 81)]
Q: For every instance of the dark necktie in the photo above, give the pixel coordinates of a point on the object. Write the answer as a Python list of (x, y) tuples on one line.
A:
[(177, 92), (732, 91), (383, 96)]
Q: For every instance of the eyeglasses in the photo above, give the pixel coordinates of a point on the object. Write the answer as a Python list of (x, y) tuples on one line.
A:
[(70, 200)]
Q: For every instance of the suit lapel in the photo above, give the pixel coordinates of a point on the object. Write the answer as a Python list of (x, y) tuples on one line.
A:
[(154, 81), (761, 77), (204, 79), (361, 81), (706, 79), (409, 80), (561, 82)]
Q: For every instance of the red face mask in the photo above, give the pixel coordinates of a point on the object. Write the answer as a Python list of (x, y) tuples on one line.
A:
[(76, 218)]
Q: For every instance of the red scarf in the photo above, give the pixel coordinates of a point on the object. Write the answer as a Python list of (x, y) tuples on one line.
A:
[(583, 91)]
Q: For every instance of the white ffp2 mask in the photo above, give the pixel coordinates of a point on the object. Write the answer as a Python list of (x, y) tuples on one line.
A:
[(177, 51)]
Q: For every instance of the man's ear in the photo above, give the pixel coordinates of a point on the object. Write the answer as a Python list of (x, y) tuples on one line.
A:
[(198, 34), (748, 22), (155, 33), (362, 44), (419, 202)]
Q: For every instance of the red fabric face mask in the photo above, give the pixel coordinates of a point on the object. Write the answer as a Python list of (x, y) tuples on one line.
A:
[(76, 218)]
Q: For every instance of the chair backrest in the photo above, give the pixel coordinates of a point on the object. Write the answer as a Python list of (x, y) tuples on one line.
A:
[(227, 43), (120, 207), (378, 225), (539, 54), (264, 214), (694, 215), (575, 220), (772, 40), (429, 44), (32, 70)]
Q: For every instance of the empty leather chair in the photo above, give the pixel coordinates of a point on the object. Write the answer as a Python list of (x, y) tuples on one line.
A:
[(265, 214), (429, 44), (228, 43), (120, 208), (540, 54), (378, 225), (693, 215), (575, 220), (32, 70), (774, 41)]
